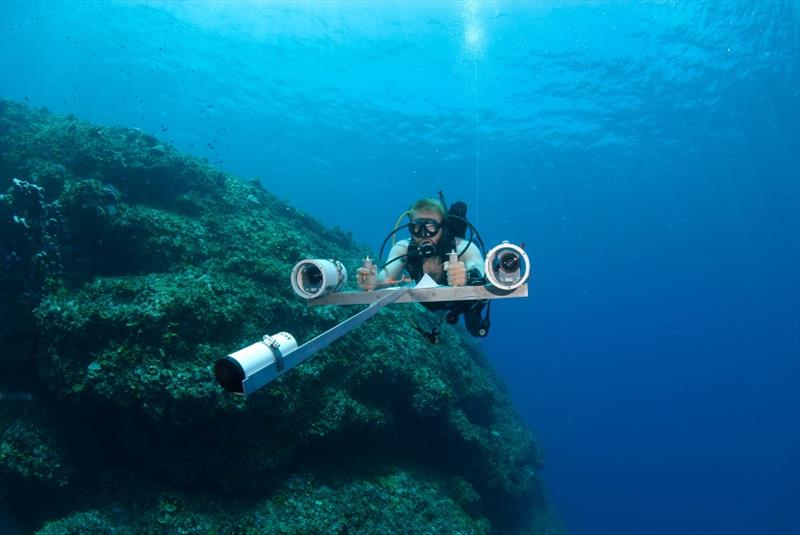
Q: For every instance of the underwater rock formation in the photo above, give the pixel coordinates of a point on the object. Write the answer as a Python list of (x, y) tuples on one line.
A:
[(127, 270)]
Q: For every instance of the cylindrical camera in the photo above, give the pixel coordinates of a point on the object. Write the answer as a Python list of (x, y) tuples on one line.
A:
[(507, 266), (234, 369), (508, 262), (315, 277)]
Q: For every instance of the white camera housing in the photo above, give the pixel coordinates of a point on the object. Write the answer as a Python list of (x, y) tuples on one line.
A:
[(315, 277), (507, 266), (234, 370)]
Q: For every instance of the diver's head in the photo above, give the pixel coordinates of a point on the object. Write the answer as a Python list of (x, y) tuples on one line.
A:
[(427, 216)]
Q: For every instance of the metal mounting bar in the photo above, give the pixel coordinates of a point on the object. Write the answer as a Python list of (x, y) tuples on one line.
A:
[(307, 350), (422, 295)]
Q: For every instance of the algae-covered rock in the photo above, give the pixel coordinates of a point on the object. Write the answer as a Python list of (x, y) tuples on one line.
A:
[(128, 269), (32, 453)]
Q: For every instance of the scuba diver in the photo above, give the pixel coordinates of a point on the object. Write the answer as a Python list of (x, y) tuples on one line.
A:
[(437, 247)]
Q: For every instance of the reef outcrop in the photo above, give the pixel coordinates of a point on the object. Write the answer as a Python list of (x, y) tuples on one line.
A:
[(128, 269)]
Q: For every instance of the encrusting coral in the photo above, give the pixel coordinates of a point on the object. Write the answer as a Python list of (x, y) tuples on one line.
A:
[(127, 270)]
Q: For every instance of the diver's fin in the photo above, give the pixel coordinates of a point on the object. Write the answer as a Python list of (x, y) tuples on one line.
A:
[(426, 282)]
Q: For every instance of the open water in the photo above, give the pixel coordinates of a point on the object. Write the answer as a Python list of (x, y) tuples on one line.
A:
[(648, 154)]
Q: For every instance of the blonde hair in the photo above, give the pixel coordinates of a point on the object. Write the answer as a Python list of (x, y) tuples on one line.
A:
[(428, 204)]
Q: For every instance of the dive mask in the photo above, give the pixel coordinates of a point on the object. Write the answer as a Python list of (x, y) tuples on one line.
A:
[(425, 228)]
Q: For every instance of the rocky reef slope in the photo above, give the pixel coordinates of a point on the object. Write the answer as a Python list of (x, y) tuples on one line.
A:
[(127, 270)]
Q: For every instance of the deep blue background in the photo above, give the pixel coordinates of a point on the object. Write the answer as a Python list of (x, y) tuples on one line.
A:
[(649, 156)]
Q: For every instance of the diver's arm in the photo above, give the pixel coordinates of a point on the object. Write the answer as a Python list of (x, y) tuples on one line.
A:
[(393, 270), (472, 258)]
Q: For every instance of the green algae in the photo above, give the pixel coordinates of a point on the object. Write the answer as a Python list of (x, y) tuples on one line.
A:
[(136, 268)]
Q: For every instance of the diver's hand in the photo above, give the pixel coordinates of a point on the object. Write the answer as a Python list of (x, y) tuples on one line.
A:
[(456, 271), (367, 276)]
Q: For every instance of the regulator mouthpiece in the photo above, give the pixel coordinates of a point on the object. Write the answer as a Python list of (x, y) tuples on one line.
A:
[(427, 249), (507, 266), (315, 277)]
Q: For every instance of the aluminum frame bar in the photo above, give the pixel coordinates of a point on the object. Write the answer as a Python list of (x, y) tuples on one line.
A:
[(289, 360), (422, 295)]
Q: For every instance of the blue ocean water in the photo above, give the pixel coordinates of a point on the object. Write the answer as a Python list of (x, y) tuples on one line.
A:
[(647, 154)]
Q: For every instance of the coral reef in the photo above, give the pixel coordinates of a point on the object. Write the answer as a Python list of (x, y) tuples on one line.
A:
[(127, 270)]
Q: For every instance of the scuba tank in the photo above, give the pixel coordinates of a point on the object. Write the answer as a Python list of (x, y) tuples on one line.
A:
[(455, 218)]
